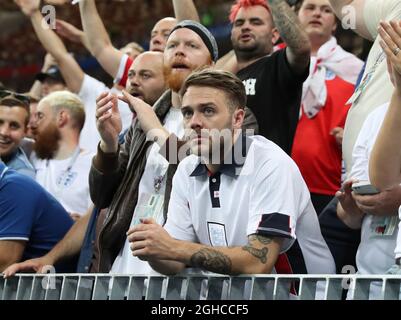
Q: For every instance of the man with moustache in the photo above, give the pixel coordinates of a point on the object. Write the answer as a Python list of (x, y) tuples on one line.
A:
[(61, 165)]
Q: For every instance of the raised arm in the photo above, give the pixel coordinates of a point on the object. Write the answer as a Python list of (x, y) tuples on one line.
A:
[(385, 162), (98, 39), (298, 45), (349, 9), (185, 10), (149, 241), (70, 69)]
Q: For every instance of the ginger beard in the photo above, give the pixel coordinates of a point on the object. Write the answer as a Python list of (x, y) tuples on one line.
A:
[(47, 141), (174, 78), (176, 73)]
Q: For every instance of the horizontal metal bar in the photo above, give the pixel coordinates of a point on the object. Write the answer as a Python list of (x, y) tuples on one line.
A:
[(197, 286)]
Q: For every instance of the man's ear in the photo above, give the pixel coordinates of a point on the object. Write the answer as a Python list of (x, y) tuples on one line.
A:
[(62, 118), (275, 36), (238, 118)]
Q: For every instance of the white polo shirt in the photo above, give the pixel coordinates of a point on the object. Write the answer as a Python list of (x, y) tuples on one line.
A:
[(262, 193)]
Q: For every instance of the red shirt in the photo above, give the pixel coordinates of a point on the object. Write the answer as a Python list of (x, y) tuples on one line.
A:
[(315, 150)]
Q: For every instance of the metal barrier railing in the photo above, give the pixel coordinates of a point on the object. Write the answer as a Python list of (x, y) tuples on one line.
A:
[(194, 287)]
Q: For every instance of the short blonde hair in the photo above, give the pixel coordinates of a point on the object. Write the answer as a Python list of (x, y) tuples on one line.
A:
[(66, 100)]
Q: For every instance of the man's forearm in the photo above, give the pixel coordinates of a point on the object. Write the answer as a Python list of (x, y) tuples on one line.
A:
[(385, 159), (167, 267), (297, 41), (70, 70), (50, 41), (97, 39), (105, 177), (194, 255), (72, 242), (96, 33), (229, 260), (185, 10)]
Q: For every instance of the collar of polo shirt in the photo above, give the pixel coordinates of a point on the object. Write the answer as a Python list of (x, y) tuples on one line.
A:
[(231, 167)]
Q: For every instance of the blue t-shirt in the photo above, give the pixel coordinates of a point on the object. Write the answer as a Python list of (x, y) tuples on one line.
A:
[(29, 213), (20, 163)]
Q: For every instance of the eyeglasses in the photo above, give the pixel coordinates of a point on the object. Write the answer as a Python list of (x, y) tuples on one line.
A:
[(13, 95)]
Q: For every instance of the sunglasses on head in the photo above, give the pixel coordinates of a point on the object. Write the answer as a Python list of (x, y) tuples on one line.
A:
[(13, 95)]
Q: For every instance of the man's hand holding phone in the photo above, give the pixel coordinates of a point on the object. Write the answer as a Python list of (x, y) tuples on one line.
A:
[(373, 201), (364, 188)]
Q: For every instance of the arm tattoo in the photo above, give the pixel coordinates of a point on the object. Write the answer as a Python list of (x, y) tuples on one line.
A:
[(261, 254), (211, 260), (261, 239), (288, 25)]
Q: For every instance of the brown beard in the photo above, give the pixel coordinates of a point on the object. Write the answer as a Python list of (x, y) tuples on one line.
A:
[(47, 142)]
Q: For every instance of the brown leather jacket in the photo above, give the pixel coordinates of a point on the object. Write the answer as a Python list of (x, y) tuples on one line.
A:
[(114, 181)]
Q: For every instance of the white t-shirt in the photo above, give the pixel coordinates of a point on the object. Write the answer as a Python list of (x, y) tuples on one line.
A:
[(90, 91), (155, 168), (69, 187), (375, 253), (375, 88), (268, 197)]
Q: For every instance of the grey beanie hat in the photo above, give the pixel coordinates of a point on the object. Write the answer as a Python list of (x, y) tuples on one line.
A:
[(204, 33)]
